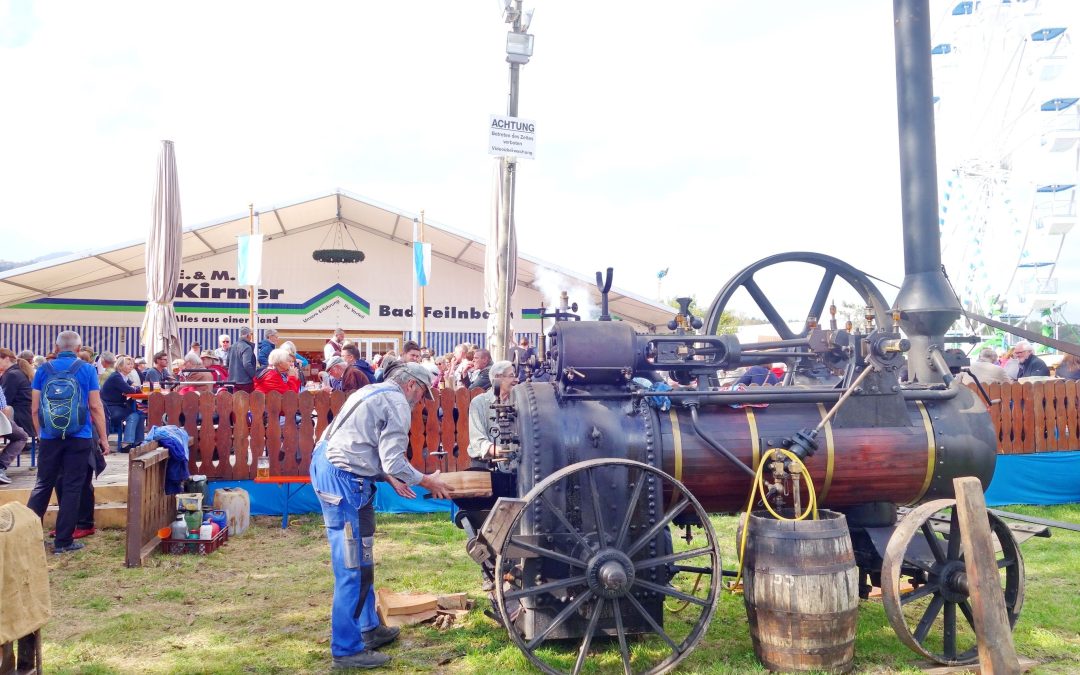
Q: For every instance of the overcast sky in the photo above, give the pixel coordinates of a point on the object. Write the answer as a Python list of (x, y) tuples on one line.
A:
[(695, 136)]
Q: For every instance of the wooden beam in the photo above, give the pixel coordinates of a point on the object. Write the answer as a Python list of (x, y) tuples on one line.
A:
[(997, 653)]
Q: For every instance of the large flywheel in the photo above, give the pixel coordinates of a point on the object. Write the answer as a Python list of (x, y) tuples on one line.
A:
[(606, 586), (832, 270)]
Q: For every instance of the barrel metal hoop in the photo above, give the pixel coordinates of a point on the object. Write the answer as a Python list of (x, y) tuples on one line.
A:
[(755, 439), (830, 455), (676, 441), (804, 570), (931, 454)]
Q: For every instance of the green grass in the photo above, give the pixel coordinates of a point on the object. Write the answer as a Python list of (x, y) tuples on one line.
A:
[(262, 605)]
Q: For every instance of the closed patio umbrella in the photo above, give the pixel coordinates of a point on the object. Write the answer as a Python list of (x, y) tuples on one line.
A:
[(160, 330)]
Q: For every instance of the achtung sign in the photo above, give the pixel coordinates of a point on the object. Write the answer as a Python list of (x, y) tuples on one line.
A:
[(511, 137)]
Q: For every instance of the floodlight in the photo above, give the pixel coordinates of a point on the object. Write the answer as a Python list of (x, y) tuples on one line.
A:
[(519, 47)]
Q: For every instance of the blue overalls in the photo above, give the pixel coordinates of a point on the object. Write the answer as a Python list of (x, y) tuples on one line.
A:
[(348, 498)]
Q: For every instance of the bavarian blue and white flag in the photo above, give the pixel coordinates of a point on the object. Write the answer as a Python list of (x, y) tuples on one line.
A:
[(249, 260), (422, 262)]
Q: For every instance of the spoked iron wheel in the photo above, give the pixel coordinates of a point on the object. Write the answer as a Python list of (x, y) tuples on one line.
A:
[(832, 269), (585, 579), (933, 617)]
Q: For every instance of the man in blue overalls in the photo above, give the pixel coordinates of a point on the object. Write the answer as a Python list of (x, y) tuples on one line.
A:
[(366, 442)]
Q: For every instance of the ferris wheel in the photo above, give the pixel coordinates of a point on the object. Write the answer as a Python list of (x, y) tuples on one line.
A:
[(1006, 85)]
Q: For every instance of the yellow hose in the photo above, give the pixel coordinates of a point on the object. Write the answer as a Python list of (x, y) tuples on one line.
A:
[(758, 487)]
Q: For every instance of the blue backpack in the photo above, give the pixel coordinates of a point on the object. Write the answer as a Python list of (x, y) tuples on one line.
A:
[(62, 409)]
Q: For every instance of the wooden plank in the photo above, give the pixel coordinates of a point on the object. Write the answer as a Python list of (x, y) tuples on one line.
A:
[(1070, 416), (468, 483), (223, 443), (993, 390), (461, 412), (257, 405), (273, 432), (1016, 391), (155, 409), (1051, 393), (307, 431), (1037, 398), (241, 436), (431, 437), (1027, 395), (172, 409), (322, 411), (189, 410), (290, 405), (136, 473), (448, 432), (416, 439), (997, 654), (207, 439)]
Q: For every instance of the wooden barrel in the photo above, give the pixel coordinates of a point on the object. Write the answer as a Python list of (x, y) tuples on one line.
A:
[(801, 591)]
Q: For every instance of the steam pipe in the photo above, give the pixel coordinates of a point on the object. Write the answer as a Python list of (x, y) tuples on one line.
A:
[(715, 445), (915, 113)]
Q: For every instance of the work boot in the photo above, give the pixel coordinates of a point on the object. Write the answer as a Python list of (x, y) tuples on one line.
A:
[(368, 658), (70, 548), (382, 635)]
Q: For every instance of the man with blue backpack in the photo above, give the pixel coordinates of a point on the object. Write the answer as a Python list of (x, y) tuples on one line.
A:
[(65, 403)]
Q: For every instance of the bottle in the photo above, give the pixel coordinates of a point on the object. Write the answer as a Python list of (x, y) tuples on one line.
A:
[(263, 470), (179, 527), (206, 531)]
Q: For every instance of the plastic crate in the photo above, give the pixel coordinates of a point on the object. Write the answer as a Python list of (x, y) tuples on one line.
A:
[(194, 546), (189, 501)]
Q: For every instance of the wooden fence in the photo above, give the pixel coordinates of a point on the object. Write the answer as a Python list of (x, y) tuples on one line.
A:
[(286, 426), (1034, 416), (148, 507)]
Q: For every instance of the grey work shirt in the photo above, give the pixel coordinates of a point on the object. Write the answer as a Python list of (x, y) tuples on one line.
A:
[(374, 438), (480, 423)]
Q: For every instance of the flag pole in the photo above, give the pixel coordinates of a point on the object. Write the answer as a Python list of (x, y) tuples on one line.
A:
[(415, 281), (423, 298), (253, 300)]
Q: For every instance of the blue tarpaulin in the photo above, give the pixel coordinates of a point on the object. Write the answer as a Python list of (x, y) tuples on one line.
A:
[(268, 499), (1039, 478)]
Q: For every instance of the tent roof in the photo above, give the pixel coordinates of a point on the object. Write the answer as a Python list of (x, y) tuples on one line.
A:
[(81, 270)]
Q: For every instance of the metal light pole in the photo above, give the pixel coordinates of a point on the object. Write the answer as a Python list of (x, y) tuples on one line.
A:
[(518, 51)]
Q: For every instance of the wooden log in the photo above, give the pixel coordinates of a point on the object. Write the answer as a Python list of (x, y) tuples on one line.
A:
[(997, 653), (453, 601), (468, 483), (390, 604)]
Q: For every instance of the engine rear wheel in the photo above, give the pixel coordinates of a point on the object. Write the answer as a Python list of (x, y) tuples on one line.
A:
[(591, 593)]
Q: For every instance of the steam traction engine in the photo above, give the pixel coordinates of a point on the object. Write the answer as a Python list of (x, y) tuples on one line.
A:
[(598, 530)]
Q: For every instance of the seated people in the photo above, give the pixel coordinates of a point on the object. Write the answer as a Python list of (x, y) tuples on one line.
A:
[(281, 376), (195, 376), (120, 410), (757, 375), (481, 443)]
